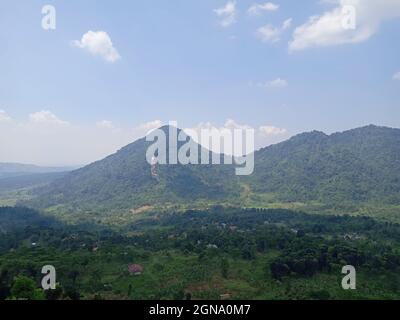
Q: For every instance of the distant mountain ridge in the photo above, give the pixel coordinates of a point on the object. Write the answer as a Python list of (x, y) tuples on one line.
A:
[(8, 169), (356, 166)]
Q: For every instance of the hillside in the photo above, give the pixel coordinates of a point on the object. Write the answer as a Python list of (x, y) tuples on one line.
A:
[(18, 186), (8, 170), (124, 181), (357, 167), (360, 165), (28, 181)]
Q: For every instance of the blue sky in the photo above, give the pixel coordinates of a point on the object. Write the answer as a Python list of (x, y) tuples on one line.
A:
[(180, 60)]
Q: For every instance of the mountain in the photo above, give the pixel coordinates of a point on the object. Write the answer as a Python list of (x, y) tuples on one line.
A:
[(356, 166), (8, 170), (124, 181), (15, 218), (23, 181), (360, 165), (18, 180)]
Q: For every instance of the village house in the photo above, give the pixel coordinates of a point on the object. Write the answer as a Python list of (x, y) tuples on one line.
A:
[(135, 269)]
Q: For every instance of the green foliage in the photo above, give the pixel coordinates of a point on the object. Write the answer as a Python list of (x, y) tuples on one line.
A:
[(24, 288), (124, 181), (249, 254), (348, 172), (224, 268), (12, 218), (353, 167)]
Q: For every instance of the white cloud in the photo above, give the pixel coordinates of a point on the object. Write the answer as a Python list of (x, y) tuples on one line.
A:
[(227, 14), (98, 43), (39, 142), (272, 131), (396, 76), (46, 117), (257, 8), (269, 33), (149, 126), (329, 28), (277, 83), (4, 117), (264, 135), (232, 124), (229, 124), (105, 124), (32, 142)]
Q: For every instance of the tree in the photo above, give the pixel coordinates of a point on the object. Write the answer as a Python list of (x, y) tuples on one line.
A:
[(279, 270), (248, 253), (320, 295), (72, 293), (224, 268), (54, 294), (24, 288), (73, 275)]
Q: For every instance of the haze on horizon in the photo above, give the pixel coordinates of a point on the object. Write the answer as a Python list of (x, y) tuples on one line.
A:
[(103, 78)]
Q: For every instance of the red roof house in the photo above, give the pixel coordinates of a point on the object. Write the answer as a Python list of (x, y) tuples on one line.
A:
[(135, 269)]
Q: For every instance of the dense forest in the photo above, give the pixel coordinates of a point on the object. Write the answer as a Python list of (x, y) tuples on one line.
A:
[(356, 166), (221, 253), (356, 171), (116, 230)]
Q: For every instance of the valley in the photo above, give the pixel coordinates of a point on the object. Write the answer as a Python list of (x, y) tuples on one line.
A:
[(217, 254), (314, 204)]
